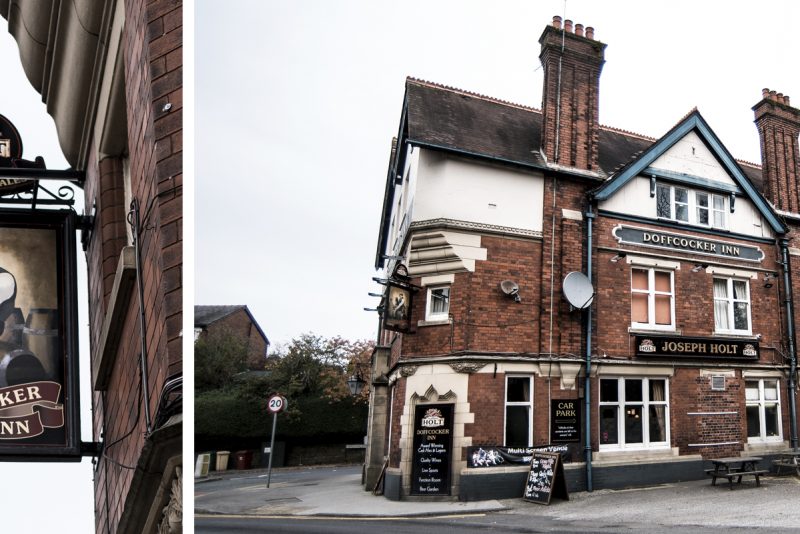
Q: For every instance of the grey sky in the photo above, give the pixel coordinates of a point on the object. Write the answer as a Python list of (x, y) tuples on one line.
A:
[(297, 103), (43, 495)]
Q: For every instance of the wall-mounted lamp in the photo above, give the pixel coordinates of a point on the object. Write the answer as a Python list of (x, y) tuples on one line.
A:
[(618, 257), (768, 278), (699, 267)]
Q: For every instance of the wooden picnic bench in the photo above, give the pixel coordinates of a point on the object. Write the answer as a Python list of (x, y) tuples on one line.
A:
[(735, 467), (789, 460)]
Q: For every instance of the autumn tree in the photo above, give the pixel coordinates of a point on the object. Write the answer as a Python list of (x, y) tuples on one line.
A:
[(219, 356)]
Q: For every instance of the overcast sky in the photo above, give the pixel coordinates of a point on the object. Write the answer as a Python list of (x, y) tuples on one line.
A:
[(297, 103), (39, 497)]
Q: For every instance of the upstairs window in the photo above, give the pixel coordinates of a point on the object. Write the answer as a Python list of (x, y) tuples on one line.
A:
[(652, 299), (731, 306), (693, 207), (438, 308)]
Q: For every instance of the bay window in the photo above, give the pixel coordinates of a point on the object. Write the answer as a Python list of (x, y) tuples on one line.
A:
[(634, 413)]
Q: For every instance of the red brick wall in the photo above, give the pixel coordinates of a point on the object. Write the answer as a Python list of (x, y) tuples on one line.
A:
[(239, 324), (152, 47), (694, 308), (397, 406), (484, 319), (570, 102)]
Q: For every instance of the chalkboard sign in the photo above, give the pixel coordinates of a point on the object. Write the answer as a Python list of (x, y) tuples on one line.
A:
[(433, 445), (545, 479)]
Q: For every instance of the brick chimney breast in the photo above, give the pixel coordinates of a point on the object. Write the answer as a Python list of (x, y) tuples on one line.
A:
[(572, 63), (778, 129)]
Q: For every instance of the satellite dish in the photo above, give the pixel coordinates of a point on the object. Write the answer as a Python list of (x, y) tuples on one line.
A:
[(510, 288), (578, 290)]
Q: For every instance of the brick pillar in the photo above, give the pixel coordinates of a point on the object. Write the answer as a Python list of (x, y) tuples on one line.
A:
[(778, 127), (572, 64), (378, 423)]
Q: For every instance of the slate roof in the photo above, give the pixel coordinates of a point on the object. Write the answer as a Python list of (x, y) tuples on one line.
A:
[(444, 117), (206, 315), (474, 125)]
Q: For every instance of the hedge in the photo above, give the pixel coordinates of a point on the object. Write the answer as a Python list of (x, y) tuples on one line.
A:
[(221, 416)]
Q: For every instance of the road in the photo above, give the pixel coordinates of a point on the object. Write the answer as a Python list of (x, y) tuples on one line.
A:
[(497, 523), (330, 500)]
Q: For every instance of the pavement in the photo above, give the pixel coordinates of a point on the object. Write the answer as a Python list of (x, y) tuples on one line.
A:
[(336, 491)]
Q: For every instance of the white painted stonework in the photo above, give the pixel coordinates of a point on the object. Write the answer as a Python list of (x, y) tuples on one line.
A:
[(450, 188), (691, 156)]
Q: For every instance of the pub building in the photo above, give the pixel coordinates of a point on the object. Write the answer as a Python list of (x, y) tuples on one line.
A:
[(522, 249)]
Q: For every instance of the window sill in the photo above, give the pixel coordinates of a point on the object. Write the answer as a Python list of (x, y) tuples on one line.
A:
[(653, 332), (738, 335), (438, 322), (766, 446), (110, 337)]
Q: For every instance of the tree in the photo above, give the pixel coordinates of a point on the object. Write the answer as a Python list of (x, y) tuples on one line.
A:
[(218, 356), (315, 366)]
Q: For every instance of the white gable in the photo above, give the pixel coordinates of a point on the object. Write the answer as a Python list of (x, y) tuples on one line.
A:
[(691, 156)]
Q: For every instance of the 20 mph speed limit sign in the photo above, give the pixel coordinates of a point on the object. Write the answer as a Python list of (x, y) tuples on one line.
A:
[(276, 404)]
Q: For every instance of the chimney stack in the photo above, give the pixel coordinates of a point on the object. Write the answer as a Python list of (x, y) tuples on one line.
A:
[(778, 129), (570, 99)]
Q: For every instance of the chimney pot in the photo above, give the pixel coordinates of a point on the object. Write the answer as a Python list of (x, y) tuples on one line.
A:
[(590, 32), (765, 92), (773, 95), (786, 99), (579, 30), (780, 98), (557, 22), (568, 26)]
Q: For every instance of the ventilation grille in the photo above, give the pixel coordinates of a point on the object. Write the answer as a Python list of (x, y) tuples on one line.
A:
[(718, 383)]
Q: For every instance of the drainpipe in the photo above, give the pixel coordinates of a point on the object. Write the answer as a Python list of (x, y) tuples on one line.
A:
[(587, 388), (784, 244)]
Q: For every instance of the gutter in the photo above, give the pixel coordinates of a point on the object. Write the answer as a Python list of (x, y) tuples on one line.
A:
[(792, 385)]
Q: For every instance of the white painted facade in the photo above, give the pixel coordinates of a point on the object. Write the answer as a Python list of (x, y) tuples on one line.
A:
[(455, 189), (689, 156), (437, 186)]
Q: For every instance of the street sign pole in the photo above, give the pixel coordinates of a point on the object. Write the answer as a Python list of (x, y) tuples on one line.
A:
[(272, 447), (275, 405)]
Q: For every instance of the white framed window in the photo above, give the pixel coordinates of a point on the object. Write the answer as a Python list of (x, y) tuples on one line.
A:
[(652, 299), (519, 411), (732, 306), (634, 413), (438, 303), (694, 207), (763, 405)]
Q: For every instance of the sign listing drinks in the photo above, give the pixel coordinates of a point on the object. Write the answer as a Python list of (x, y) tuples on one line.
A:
[(433, 444)]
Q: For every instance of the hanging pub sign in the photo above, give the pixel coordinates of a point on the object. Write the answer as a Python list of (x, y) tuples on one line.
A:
[(397, 305), (696, 347), (647, 237), (11, 157), (433, 449), (39, 405)]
